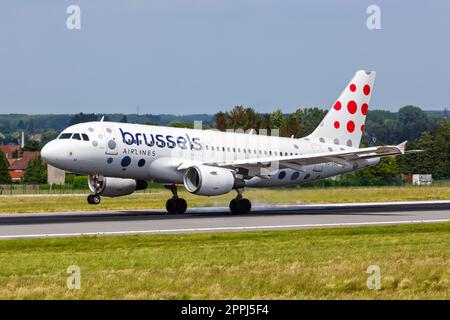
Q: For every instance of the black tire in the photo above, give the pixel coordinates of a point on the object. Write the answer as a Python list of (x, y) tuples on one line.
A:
[(245, 206), (234, 206), (181, 205), (171, 206), (89, 199), (96, 199)]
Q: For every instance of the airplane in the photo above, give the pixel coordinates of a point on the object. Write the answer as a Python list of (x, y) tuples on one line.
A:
[(121, 158)]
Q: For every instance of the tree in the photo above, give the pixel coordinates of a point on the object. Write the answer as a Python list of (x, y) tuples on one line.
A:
[(82, 117), (252, 119), (412, 121), (48, 135), (32, 145), (435, 159), (179, 124), (277, 118), (5, 178), (21, 124), (30, 126), (291, 126), (221, 120), (310, 118), (124, 119), (237, 118), (36, 172), (384, 173), (151, 123)]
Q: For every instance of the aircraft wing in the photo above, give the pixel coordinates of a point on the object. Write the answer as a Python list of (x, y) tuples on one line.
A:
[(297, 162)]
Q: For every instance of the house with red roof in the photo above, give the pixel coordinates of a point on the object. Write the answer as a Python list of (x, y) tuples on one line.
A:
[(18, 161)]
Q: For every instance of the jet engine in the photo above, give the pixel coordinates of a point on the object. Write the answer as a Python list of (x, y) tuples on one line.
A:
[(114, 187), (210, 181)]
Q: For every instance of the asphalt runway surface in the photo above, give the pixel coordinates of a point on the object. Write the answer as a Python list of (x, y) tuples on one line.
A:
[(219, 219)]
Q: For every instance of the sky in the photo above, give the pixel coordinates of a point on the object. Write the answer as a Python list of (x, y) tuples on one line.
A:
[(186, 56)]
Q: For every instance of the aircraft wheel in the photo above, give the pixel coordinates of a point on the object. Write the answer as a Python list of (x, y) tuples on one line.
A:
[(181, 205), (240, 206), (234, 206), (245, 206), (93, 199), (171, 206)]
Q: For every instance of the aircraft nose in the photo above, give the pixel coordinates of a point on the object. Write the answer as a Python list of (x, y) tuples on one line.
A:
[(49, 152)]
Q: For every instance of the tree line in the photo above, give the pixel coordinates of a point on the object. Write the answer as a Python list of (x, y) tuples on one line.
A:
[(429, 131)]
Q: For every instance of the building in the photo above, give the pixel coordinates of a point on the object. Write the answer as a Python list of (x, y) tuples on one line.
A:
[(419, 179), (18, 161)]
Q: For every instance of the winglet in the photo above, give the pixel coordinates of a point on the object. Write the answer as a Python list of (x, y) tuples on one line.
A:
[(402, 146)]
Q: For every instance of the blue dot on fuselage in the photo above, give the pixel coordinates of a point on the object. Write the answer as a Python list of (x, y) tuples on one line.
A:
[(282, 174), (295, 175), (125, 161), (109, 160), (141, 163)]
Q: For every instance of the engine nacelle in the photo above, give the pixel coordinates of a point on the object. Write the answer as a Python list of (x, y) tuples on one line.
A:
[(209, 181), (115, 187)]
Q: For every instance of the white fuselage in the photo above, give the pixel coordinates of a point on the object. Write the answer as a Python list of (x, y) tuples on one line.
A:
[(144, 152)]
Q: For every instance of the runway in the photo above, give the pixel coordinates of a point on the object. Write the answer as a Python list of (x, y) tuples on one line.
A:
[(282, 217)]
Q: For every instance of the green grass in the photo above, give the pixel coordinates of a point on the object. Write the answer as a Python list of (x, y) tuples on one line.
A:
[(302, 264), (157, 199)]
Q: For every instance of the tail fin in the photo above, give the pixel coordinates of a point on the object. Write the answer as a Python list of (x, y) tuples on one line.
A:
[(344, 123)]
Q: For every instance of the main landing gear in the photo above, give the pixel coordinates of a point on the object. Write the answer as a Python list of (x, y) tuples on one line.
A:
[(93, 199), (175, 204), (239, 204)]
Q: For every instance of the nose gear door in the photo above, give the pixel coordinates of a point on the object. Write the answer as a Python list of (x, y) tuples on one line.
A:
[(110, 141)]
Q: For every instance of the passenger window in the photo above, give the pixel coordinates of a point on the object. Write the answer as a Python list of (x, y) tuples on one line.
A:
[(65, 136), (76, 136), (85, 137)]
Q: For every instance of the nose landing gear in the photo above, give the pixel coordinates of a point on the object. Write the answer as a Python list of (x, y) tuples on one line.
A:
[(175, 204), (239, 204), (97, 186)]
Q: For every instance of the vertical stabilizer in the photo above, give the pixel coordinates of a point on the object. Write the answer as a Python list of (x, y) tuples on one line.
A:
[(344, 122)]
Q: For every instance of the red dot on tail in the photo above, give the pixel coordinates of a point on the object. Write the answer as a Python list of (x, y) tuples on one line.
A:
[(350, 126), (337, 124), (366, 89), (352, 87), (352, 106), (337, 105), (362, 127), (364, 108)]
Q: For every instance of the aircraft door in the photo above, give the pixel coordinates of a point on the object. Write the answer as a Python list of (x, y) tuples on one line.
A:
[(110, 140)]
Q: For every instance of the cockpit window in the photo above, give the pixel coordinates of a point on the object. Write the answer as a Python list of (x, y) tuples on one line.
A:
[(76, 136), (65, 136), (85, 137)]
